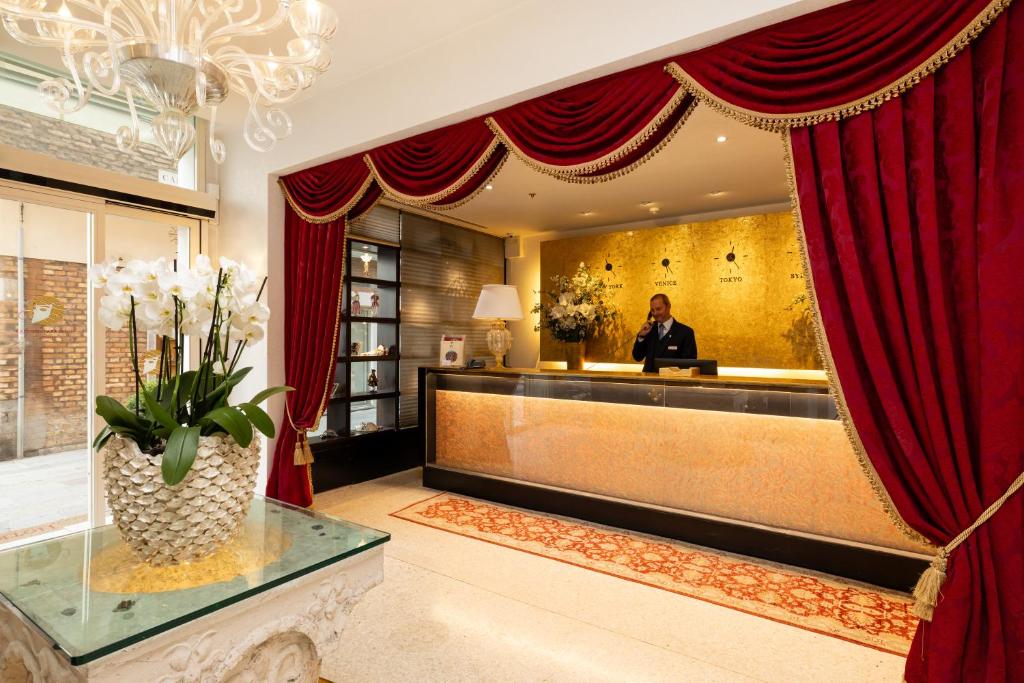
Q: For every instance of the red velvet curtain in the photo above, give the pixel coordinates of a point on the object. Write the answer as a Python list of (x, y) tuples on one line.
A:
[(328, 191), (832, 57), (431, 167), (596, 128), (913, 217)]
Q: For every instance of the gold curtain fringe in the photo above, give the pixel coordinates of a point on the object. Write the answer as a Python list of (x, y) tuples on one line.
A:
[(337, 328), (574, 172), (333, 215), (778, 122), (825, 354), (625, 170), (468, 198), (427, 200)]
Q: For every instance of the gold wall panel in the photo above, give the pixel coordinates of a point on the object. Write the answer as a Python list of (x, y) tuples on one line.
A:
[(738, 282)]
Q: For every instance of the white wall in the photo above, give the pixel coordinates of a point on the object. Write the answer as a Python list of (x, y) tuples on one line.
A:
[(533, 48)]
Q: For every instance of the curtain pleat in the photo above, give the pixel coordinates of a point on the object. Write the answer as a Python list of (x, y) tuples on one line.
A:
[(833, 60), (912, 220), (314, 263), (586, 128), (427, 168)]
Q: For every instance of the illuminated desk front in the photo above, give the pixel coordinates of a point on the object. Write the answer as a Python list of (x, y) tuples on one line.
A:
[(732, 457)]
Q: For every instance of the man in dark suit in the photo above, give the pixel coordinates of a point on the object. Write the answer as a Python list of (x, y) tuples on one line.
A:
[(664, 338)]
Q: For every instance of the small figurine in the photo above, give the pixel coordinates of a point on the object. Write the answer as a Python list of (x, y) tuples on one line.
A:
[(356, 306), (372, 381), (381, 351), (375, 304), (357, 348)]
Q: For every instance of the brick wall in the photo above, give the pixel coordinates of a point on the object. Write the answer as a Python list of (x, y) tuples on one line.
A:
[(79, 144), (56, 363)]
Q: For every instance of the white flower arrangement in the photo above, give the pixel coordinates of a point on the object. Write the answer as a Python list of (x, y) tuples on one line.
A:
[(223, 309), (576, 308)]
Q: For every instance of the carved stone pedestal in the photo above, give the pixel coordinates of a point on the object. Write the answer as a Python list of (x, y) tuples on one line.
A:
[(278, 635)]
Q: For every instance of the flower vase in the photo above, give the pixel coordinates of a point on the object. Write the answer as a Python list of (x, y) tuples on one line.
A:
[(574, 353), (167, 525)]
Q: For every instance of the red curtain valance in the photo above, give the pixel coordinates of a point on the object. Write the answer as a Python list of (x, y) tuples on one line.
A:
[(597, 128), (329, 191), (832, 63), (429, 168), (821, 66)]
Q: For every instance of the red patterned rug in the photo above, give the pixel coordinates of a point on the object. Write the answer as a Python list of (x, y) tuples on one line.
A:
[(817, 602)]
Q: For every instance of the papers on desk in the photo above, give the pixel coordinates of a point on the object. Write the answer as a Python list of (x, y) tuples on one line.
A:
[(679, 372)]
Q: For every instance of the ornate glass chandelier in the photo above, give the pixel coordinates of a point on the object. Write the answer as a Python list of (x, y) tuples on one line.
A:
[(179, 56)]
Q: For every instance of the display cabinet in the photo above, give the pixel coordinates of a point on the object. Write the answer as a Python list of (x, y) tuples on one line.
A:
[(364, 395)]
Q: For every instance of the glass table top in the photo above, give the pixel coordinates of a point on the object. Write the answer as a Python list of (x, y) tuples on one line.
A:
[(89, 595)]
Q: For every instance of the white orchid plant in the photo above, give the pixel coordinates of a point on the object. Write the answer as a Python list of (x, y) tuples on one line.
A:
[(575, 308), (221, 309)]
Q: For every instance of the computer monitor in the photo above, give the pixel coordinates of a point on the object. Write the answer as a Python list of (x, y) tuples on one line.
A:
[(705, 365)]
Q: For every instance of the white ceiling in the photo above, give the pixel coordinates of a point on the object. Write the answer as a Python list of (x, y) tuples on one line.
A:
[(370, 35), (748, 169)]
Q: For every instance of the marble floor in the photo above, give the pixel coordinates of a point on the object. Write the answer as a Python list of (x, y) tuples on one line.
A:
[(457, 609)]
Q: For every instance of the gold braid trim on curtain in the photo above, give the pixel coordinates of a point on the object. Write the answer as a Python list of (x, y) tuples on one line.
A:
[(776, 122), (475, 193), (333, 215), (642, 160), (573, 173), (303, 454), (835, 388), (427, 200)]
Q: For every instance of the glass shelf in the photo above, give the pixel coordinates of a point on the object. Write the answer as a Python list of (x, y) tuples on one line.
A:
[(373, 261), (91, 597), (372, 409), (365, 301)]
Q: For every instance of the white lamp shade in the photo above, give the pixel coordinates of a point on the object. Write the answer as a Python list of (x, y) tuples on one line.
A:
[(498, 302)]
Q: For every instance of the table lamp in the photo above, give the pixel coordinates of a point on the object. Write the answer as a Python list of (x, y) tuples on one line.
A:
[(498, 303)]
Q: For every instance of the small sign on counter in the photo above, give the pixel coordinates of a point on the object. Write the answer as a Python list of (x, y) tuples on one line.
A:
[(453, 350)]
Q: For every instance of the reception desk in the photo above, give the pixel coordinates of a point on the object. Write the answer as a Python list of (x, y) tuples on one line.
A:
[(757, 466)]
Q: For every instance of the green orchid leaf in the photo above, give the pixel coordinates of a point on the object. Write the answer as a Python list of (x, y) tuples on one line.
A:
[(114, 413), (179, 454), (259, 418), (159, 413), (234, 423), (102, 438), (267, 393)]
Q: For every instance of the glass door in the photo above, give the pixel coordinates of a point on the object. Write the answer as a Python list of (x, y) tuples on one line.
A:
[(54, 355), (45, 382)]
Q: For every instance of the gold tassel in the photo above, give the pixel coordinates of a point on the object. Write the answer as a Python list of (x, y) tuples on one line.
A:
[(926, 592), (303, 453)]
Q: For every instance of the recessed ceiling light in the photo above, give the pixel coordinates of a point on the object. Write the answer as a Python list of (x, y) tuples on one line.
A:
[(488, 186), (630, 233), (588, 212), (717, 193), (654, 209), (721, 138)]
